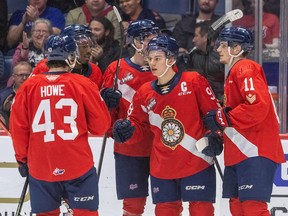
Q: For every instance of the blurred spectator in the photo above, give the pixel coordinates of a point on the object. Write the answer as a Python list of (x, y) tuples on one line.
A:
[(21, 72), (185, 28), (3, 23), (133, 10), (3, 77), (32, 49), (272, 6), (205, 60), (64, 5), (23, 19), (237, 4), (270, 23), (94, 8), (107, 49)]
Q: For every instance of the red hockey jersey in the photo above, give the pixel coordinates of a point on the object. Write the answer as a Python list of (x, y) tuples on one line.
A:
[(50, 119), (174, 113), (255, 130), (94, 73), (130, 78)]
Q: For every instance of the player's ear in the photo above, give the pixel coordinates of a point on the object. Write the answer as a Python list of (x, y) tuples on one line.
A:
[(171, 61), (237, 48)]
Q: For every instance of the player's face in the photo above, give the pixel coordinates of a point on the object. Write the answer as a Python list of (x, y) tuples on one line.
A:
[(157, 62), (223, 52), (84, 52)]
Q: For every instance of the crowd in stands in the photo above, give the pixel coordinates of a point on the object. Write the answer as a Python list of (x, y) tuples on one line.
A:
[(24, 32)]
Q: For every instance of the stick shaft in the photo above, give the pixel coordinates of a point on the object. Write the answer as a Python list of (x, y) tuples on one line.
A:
[(22, 197)]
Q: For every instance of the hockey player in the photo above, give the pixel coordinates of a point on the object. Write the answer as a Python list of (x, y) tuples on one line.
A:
[(50, 120), (132, 162), (80, 62), (172, 108), (251, 129)]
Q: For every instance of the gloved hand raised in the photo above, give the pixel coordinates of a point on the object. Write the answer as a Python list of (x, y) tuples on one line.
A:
[(216, 120), (23, 169), (211, 144), (122, 130), (111, 97)]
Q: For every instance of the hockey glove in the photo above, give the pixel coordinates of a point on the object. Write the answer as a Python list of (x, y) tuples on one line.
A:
[(23, 169), (122, 130), (111, 97), (216, 120), (214, 146)]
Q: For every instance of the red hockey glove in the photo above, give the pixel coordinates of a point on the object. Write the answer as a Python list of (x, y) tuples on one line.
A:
[(216, 120)]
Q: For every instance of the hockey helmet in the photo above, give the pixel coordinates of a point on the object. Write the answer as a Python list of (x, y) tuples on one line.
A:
[(81, 33), (164, 43), (142, 28), (60, 47), (238, 35)]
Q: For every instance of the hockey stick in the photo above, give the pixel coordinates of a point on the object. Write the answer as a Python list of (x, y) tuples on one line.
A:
[(216, 26), (115, 84), (200, 145), (213, 29), (66, 205), (24, 190), (3, 126), (22, 197)]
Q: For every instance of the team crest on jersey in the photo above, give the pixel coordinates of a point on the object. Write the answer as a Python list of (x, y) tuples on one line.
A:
[(129, 76), (251, 98), (57, 172), (172, 128)]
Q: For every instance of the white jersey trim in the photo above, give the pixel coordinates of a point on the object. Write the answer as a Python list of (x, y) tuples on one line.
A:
[(244, 145), (188, 142), (126, 90)]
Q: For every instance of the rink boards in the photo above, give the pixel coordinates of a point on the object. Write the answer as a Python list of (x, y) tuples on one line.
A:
[(11, 183)]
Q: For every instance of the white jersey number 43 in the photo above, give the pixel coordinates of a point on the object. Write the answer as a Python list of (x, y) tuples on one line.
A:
[(44, 109)]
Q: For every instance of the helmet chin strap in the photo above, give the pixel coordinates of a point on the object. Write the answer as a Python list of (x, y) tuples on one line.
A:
[(166, 69), (140, 51), (233, 56)]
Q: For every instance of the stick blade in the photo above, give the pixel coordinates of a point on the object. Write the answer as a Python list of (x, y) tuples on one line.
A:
[(227, 18)]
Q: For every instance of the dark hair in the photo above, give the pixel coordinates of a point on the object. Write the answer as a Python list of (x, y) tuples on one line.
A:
[(107, 25), (204, 27), (56, 63)]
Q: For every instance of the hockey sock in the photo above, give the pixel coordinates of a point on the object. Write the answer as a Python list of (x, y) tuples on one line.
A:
[(201, 208), (134, 206), (169, 208), (253, 207), (83, 212), (55, 212), (235, 207)]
